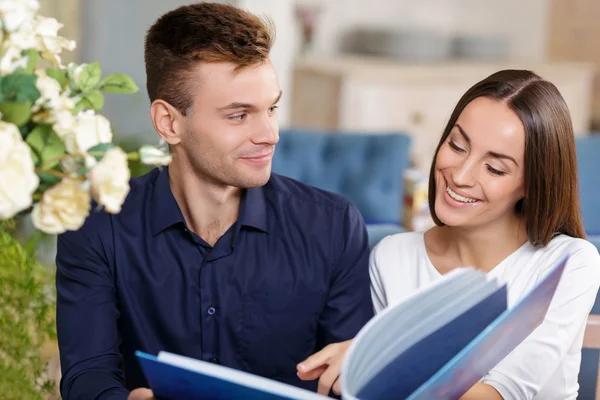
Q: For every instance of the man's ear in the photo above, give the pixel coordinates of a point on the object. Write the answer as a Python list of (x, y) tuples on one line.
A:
[(167, 121)]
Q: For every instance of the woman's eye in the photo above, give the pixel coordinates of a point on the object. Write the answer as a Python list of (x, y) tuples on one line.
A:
[(455, 147), (495, 171)]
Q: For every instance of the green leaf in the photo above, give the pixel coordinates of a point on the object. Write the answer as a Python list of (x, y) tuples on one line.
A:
[(118, 83), (35, 158), (59, 75), (17, 113), (100, 148), (71, 67), (95, 98), (47, 180), (32, 59), (80, 106), (20, 88), (90, 77), (44, 141)]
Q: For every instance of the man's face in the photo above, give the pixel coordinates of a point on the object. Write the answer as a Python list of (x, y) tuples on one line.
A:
[(230, 132)]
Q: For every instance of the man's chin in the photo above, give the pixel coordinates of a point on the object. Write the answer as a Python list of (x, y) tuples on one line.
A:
[(254, 180)]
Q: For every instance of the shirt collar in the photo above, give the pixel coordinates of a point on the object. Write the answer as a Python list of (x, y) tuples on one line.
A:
[(166, 212), (253, 209)]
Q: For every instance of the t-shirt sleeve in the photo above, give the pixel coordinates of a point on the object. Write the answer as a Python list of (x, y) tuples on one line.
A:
[(523, 373), (378, 295)]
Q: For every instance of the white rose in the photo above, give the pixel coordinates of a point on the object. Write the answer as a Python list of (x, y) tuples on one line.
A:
[(49, 43), (63, 122), (12, 60), (151, 155), (18, 180), (64, 206), (16, 12), (110, 180), (88, 131), (48, 87), (77, 73), (24, 38), (61, 119)]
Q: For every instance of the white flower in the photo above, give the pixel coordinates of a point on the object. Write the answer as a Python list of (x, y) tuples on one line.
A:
[(12, 60), (151, 155), (64, 206), (16, 12), (110, 180), (18, 180), (49, 43), (24, 38), (52, 98), (48, 87), (63, 122), (77, 73), (89, 130)]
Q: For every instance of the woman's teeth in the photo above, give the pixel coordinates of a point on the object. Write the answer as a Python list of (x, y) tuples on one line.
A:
[(458, 197)]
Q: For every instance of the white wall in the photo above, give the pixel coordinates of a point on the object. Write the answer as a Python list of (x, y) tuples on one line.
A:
[(112, 32), (523, 22), (282, 55)]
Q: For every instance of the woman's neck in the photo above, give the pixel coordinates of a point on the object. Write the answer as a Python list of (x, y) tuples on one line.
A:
[(481, 247)]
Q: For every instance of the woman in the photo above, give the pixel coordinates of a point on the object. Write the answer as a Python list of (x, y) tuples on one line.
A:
[(503, 193)]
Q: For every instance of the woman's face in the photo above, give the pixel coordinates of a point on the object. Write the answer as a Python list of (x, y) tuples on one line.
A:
[(479, 169)]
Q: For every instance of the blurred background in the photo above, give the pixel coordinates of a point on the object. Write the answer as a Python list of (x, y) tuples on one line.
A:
[(357, 74), (368, 86)]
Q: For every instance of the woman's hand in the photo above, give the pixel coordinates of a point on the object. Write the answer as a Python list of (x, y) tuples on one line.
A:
[(325, 365)]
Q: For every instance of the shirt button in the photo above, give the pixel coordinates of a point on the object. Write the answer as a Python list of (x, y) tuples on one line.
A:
[(214, 360), (211, 311)]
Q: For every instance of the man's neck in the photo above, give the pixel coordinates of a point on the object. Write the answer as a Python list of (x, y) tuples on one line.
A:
[(209, 208)]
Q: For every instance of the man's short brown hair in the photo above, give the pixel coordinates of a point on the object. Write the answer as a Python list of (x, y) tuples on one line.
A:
[(209, 32)]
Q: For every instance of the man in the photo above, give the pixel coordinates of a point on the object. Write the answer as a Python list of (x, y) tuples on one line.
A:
[(213, 257)]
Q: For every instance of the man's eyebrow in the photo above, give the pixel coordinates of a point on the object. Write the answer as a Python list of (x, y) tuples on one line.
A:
[(236, 105)]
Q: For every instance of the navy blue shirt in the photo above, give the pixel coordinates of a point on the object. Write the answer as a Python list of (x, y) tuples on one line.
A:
[(289, 277)]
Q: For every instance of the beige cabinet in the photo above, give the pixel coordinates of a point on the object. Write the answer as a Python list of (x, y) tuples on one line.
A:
[(370, 95)]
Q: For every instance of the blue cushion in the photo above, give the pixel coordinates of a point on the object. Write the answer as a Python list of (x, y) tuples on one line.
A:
[(366, 168), (588, 374), (594, 239), (588, 157), (377, 232)]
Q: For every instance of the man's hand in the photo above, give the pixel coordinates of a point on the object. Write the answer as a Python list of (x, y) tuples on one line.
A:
[(141, 394), (325, 365)]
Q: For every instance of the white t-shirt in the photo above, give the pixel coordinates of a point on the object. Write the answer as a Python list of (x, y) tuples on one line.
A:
[(545, 365)]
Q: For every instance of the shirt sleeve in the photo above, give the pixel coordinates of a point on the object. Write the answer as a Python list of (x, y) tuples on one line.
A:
[(523, 373), (378, 296), (86, 318), (349, 305)]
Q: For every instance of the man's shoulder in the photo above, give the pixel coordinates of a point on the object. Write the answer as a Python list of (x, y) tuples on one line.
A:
[(303, 195)]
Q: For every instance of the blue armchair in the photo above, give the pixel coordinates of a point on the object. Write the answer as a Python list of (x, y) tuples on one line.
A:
[(366, 168), (588, 157)]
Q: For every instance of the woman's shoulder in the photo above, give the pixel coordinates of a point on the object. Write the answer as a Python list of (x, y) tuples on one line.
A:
[(583, 257), (399, 242), (576, 248), (398, 249)]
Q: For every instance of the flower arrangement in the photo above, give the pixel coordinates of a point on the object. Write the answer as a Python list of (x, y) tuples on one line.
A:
[(56, 151), (56, 155)]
